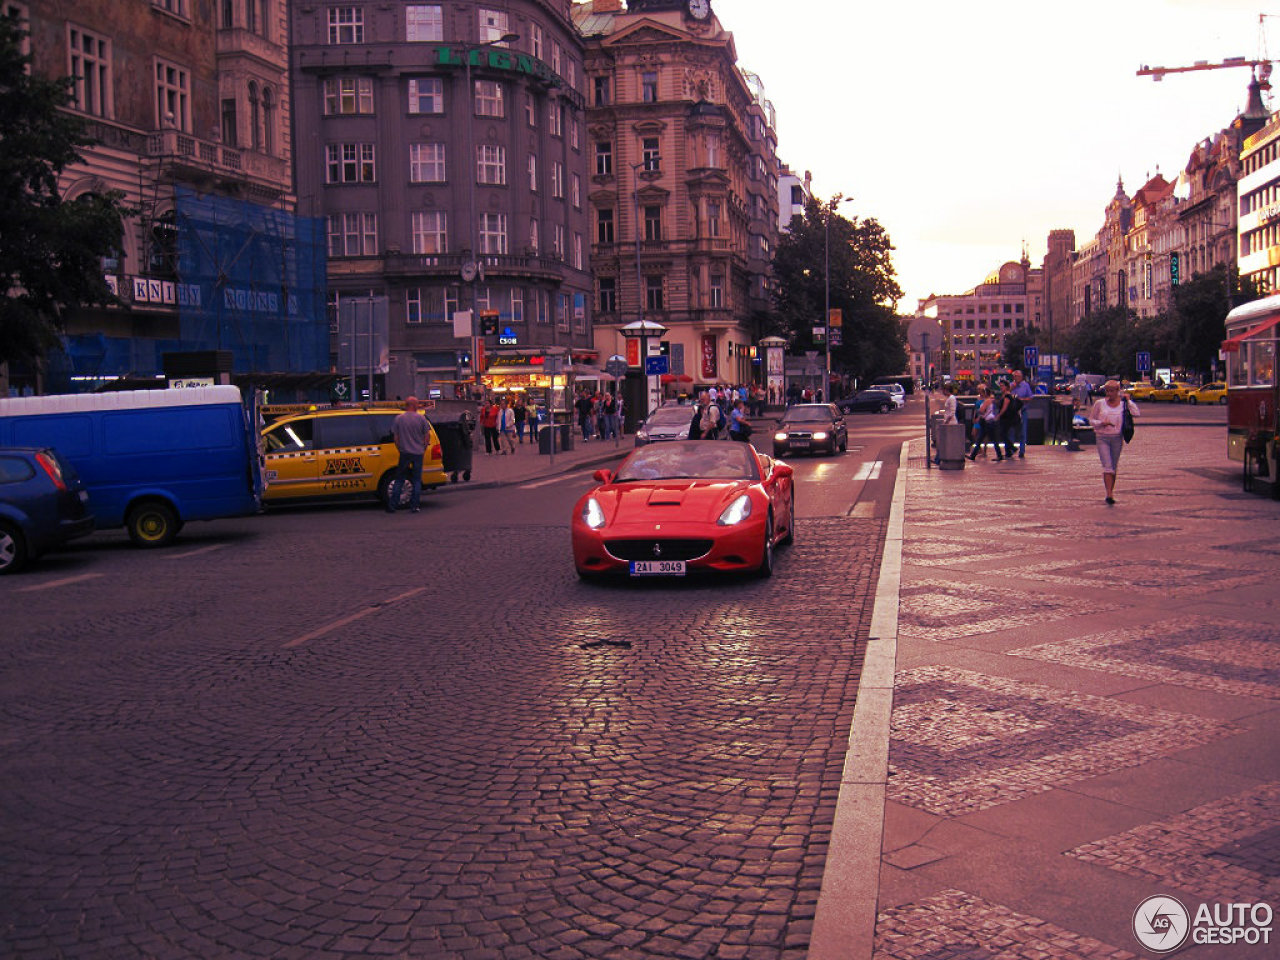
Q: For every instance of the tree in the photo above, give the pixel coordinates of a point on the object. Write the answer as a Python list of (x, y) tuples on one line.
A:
[(1015, 345), (1104, 342), (50, 249), (1200, 308), (863, 287)]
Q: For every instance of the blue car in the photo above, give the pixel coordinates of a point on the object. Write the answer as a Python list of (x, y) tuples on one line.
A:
[(43, 504)]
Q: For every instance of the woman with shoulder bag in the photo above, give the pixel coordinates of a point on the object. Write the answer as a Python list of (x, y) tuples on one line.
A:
[(1107, 418)]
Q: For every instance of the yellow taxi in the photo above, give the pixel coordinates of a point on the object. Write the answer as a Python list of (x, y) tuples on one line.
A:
[(1142, 391), (340, 454), (1215, 392), (1172, 392)]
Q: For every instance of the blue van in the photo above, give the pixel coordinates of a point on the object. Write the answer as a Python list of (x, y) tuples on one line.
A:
[(150, 459)]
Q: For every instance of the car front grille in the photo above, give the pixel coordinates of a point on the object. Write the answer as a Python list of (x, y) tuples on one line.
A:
[(657, 549)]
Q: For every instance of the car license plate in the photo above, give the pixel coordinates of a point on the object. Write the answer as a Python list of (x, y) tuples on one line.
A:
[(799, 443), (657, 568)]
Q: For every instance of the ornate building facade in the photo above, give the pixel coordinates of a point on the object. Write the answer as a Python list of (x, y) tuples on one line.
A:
[(683, 185), (976, 323), (185, 98)]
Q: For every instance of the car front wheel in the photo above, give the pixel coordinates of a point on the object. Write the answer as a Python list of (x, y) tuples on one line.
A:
[(1192, 400), (152, 524), (766, 561)]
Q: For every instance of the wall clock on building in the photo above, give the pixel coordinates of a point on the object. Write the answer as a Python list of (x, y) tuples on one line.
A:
[(699, 9)]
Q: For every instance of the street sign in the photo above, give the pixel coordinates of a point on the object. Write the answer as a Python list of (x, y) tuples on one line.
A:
[(1031, 357), (835, 317), (837, 336), (1144, 361), (656, 366)]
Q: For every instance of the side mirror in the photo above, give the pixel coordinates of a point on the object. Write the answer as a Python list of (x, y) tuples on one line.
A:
[(782, 470), (603, 476)]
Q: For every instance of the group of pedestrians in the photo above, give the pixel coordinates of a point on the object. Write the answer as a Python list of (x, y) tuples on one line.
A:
[(599, 414), (503, 423), (1000, 419), (726, 418)]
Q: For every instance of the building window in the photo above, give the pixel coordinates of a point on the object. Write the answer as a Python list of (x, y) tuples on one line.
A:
[(426, 95), (653, 223), (426, 163), (255, 117), (489, 99), (424, 23), (173, 97), (350, 163), (555, 58), (608, 295), (230, 134), (343, 95), (575, 191), (517, 305), (604, 225), (268, 121), (533, 235), (557, 179), (533, 173), (494, 25), (353, 234), (557, 242), (430, 229), (601, 87), (491, 164), (555, 119), (604, 158), (653, 299), (650, 151), (577, 251), (716, 291), (346, 25), (413, 305), (177, 7), (535, 40), (713, 218), (493, 233), (649, 86), (574, 140), (531, 112)]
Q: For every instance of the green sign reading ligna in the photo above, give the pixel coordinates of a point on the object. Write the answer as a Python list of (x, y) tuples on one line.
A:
[(498, 60)]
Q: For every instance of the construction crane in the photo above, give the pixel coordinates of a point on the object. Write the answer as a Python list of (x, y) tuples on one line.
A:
[(1261, 69)]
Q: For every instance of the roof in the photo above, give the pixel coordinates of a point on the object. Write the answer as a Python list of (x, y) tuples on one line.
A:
[(123, 400)]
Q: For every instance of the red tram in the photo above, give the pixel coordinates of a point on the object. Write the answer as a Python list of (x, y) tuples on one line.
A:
[(1253, 394)]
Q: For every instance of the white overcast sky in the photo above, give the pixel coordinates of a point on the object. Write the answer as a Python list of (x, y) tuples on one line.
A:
[(970, 128)]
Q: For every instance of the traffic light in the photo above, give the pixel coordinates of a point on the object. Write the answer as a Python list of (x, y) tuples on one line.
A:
[(1173, 268), (488, 323)]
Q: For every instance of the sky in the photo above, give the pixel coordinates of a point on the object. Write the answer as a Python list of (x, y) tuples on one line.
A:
[(970, 130)]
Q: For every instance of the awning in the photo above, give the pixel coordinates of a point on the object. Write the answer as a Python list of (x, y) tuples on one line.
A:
[(675, 378), (1232, 344)]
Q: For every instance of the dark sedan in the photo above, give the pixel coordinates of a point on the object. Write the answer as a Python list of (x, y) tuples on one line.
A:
[(43, 504), (809, 428), (868, 401)]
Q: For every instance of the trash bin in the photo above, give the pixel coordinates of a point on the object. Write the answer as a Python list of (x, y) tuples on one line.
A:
[(564, 437), (950, 438), (1038, 418), (455, 447)]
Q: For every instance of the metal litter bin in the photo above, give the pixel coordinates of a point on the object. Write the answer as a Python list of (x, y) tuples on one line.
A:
[(455, 447), (564, 437), (950, 439)]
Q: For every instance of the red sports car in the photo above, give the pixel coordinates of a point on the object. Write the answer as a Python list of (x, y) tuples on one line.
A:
[(674, 508)]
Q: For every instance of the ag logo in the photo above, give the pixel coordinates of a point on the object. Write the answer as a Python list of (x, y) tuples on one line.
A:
[(1161, 924)]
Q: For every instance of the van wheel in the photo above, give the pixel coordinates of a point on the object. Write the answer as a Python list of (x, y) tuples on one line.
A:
[(13, 549), (152, 523), (384, 490)]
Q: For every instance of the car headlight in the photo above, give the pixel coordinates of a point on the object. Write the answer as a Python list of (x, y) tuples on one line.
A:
[(593, 514), (642, 434), (820, 435), (736, 512), (780, 436)]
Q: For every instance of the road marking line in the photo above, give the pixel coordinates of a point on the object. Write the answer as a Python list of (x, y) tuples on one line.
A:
[(59, 583), (869, 471), (543, 483), (196, 552), (351, 618)]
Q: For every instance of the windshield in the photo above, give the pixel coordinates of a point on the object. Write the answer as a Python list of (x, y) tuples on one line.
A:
[(671, 417), (702, 459), (807, 415)]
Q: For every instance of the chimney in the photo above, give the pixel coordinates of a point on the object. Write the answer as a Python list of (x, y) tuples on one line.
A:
[(606, 6)]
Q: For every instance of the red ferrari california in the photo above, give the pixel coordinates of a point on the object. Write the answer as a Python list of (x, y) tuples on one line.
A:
[(675, 508)]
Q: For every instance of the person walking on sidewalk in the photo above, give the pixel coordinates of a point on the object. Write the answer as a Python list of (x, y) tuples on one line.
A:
[(1022, 390), (522, 414), (489, 426), (410, 431), (506, 428), (1107, 419), (985, 425), (1009, 417)]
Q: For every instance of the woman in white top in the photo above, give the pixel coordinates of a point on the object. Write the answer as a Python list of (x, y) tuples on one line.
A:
[(1106, 417)]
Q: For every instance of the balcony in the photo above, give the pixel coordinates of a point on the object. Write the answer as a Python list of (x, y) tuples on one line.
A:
[(190, 158), (449, 265)]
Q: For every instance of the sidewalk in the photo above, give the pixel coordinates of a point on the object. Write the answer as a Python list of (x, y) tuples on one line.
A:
[(1066, 708), (492, 470)]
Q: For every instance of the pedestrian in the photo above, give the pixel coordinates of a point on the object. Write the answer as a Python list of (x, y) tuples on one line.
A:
[(1008, 418), (522, 416), (410, 431), (985, 425), (489, 426), (506, 428), (585, 409), (610, 409), (1107, 419), (739, 426), (1022, 390)]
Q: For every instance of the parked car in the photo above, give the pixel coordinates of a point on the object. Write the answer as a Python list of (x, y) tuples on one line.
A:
[(43, 504), (672, 509), (1215, 392), (1142, 391), (345, 453), (893, 389), (868, 401), (810, 428), (151, 460), (1172, 392), (671, 421)]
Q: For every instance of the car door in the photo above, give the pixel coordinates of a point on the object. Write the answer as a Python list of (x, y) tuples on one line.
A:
[(350, 454), (291, 464)]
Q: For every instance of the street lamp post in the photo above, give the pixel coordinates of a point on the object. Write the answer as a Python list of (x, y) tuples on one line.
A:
[(828, 209), (471, 268)]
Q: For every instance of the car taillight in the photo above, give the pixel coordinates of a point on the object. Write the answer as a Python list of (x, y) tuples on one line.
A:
[(52, 468), (435, 452)]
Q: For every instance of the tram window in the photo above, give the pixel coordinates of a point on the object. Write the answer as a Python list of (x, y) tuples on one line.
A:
[(1263, 364), (1238, 367)]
